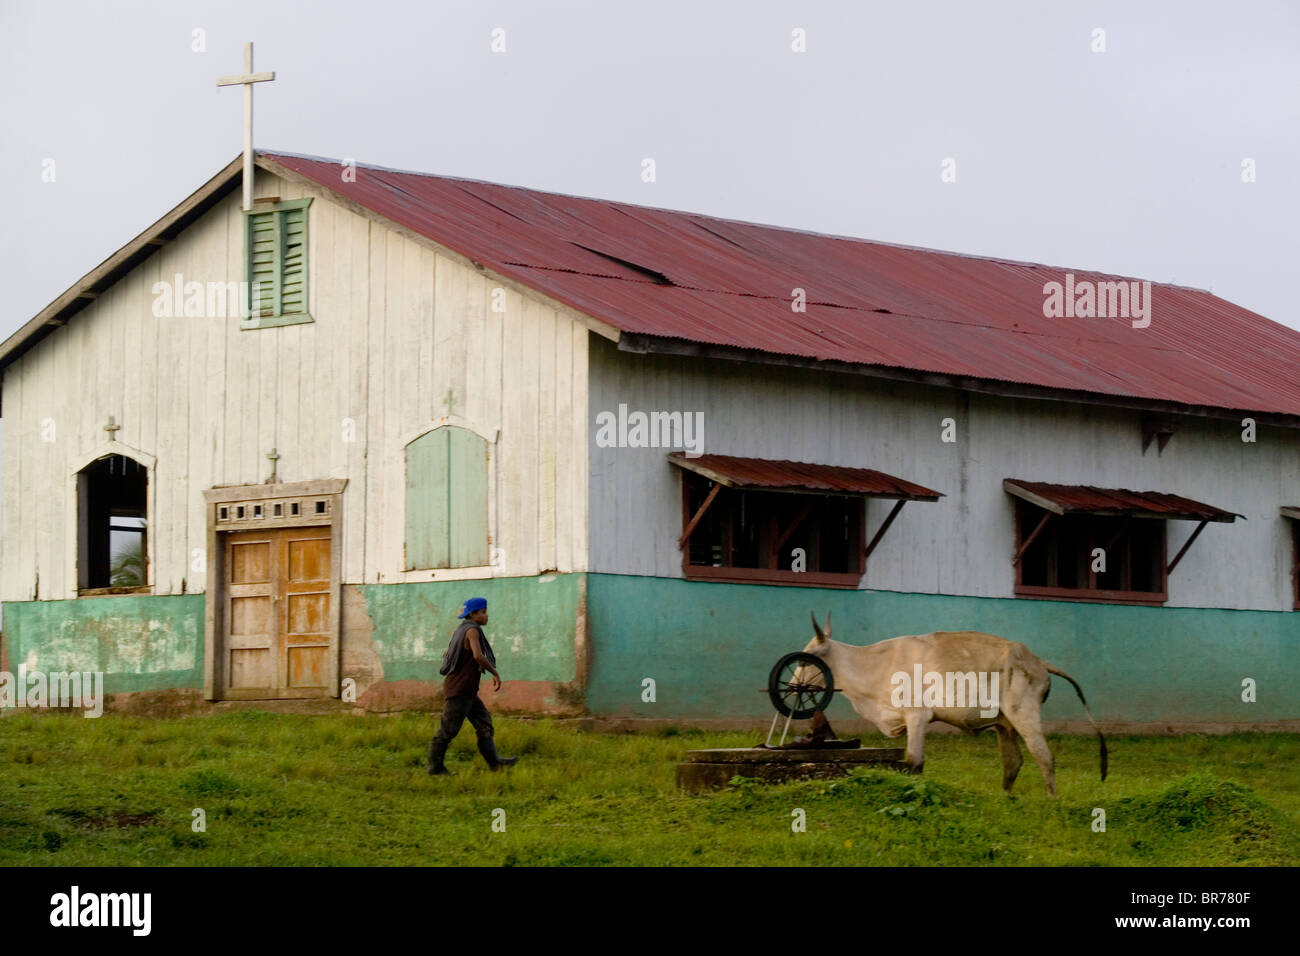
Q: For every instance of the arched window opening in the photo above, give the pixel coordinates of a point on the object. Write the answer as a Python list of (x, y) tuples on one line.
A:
[(112, 498)]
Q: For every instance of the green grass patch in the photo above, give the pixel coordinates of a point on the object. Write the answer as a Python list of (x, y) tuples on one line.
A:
[(285, 789)]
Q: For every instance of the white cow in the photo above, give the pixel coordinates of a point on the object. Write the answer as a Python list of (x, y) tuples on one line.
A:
[(1020, 681)]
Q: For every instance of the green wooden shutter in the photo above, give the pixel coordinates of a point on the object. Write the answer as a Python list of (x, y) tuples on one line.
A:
[(276, 244), (262, 243), (426, 501), (468, 481), (293, 261), (446, 500)]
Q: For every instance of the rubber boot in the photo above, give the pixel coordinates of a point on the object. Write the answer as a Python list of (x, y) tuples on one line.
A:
[(437, 752), (488, 748)]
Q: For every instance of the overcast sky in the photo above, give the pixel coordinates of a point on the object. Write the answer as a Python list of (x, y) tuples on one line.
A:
[(1127, 160)]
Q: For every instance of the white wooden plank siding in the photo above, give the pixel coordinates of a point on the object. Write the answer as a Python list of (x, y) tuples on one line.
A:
[(545, 428), (580, 493), (10, 515), (373, 426), (44, 383), (398, 326), (11, 511), (563, 464), (24, 511), (384, 494), (353, 461)]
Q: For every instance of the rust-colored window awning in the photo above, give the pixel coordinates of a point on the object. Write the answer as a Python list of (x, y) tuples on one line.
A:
[(762, 475), (1118, 502), (758, 474), (1085, 499)]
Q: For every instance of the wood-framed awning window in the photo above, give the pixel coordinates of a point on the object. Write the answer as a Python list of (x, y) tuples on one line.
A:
[(1082, 543), (755, 521), (1294, 514)]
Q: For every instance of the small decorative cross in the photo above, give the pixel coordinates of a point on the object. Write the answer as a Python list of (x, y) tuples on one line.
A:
[(273, 458), (112, 428), (246, 80)]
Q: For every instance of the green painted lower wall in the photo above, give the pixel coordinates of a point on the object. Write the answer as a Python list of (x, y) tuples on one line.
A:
[(710, 647), (531, 625), (138, 642), (155, 642)]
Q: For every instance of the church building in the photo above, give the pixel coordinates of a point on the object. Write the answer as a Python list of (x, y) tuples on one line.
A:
[(266, 453)]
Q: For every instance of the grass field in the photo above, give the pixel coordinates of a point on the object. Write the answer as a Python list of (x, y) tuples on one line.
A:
[(344, 790)]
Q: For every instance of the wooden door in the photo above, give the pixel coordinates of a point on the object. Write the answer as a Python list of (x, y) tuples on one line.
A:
[(276, 638)]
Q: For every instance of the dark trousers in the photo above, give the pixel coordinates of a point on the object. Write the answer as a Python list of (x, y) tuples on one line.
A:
[(454, 712)]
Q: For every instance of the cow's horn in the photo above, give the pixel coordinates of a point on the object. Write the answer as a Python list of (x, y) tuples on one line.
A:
[(817, 627), (828, 623)]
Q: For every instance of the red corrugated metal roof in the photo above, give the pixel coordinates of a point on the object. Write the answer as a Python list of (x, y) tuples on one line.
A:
[(1085, 499), (729, 284), (761, 473)]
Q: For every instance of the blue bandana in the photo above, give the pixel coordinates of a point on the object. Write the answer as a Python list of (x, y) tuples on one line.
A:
[(472, 605)]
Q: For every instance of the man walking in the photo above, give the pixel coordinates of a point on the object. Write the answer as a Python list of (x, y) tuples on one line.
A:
[(467, 656)]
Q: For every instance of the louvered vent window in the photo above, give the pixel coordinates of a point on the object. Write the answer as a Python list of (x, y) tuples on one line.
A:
[(276, 242)]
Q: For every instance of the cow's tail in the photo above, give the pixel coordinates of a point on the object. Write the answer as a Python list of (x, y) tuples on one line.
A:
[(1079, 690)]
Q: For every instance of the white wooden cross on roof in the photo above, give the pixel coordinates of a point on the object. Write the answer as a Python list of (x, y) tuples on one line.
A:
[(247, 79)]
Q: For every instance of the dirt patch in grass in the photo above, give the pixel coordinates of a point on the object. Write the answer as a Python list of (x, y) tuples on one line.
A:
[(106, 821)]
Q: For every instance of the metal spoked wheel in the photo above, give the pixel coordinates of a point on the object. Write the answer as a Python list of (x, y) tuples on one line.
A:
[(800, 685)]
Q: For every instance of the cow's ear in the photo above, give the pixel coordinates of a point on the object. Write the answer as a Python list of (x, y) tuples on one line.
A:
[(817, 627)]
